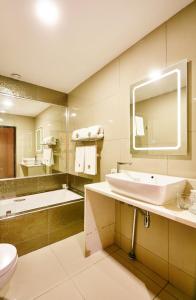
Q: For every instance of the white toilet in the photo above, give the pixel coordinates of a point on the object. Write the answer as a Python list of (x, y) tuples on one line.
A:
[(8, 262)]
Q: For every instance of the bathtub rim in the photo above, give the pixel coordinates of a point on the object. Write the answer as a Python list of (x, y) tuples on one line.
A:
[(18, 214)]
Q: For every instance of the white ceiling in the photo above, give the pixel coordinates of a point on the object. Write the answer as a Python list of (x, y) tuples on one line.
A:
[(21, 107), (89, 34)]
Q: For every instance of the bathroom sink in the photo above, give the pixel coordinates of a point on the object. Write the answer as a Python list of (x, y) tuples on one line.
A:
[(154, 189)]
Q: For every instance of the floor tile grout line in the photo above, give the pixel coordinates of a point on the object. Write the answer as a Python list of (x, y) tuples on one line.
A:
[(85, 268), (108, 255), (162, 289), (168, 292), (51, 288), (91, 265), (77, 288), (65, 277), (58, 261), (148, 275), (70, 276)]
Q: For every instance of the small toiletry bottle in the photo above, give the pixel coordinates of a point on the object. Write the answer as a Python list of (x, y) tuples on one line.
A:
[(192, 207)]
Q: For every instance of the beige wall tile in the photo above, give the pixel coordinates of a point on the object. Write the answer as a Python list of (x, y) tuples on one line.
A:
[(117, 217), (26, 227), (107, 113), (100, 211), (138, 61), (125, 243), (152, 261), (150, 165), (184, 166), (176, 293), (182, 281), (126, 220), (165, 296), (110, 154), (154, 238), (182, 247), (180, 42), (101, 85)]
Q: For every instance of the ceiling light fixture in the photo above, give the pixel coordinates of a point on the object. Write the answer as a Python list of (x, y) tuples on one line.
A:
[(47, 11)]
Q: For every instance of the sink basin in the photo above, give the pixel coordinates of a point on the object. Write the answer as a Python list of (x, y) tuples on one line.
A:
[(154, 189)]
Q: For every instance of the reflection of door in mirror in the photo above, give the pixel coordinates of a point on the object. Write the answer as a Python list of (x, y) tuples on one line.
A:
[(7, 151)]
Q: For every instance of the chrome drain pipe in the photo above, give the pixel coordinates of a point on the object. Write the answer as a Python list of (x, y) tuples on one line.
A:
[(146, 215)]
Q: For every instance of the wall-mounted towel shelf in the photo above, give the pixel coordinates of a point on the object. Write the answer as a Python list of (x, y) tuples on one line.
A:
[(89, 139), (89, 134)]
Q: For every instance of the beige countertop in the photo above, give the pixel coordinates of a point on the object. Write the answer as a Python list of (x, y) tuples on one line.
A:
[(170, 211)]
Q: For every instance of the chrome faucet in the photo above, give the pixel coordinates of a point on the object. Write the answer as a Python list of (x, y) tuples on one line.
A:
[(36, 160), (120, 163)]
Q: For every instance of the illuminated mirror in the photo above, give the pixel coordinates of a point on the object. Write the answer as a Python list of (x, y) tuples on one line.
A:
[(159, 112)]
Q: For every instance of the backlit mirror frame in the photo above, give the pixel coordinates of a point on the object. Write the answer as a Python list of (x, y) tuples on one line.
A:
[(171, 70)]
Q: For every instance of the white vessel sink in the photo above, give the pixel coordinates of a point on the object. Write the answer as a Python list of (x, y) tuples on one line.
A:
[(154, 189)]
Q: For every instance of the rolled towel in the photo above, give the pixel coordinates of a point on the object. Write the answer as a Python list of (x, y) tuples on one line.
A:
[(80, 134), (49, 140), (96, 131)]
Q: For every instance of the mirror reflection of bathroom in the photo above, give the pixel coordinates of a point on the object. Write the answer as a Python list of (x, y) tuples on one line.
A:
[(32, 137), (159, 112)]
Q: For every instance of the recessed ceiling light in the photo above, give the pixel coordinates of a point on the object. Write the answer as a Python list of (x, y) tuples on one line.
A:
[(47, 11), (16, 76), (1, 120)]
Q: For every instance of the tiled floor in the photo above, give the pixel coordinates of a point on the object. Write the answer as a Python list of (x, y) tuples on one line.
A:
[(60, 271)]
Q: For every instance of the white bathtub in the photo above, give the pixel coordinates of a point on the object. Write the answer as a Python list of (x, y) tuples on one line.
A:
[(14, 206)]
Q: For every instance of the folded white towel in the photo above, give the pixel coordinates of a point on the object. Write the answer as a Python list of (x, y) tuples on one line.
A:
[(139, 124), (90, 167), (79, 159), (80, 134), (48, 158), (95, 131), (49, 140)]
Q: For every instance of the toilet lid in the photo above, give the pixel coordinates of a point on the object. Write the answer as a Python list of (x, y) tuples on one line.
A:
[(8, 257)]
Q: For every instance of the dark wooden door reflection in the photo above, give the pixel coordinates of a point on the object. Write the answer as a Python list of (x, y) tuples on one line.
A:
[(7, 151)]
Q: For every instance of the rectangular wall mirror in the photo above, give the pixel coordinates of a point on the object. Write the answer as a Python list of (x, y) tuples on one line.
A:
[(32, 137), (158, 111)]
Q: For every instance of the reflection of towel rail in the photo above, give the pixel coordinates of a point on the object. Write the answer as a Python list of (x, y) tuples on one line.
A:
[(43, 144)]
